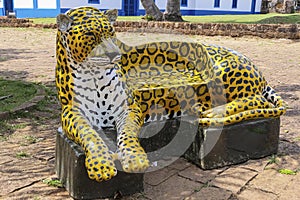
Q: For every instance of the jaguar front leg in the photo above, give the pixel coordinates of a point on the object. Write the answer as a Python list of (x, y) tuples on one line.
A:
[(132, 156), (99, 159)]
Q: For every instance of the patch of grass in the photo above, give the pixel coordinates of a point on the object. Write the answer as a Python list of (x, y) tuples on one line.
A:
[(6, 127), (22, 154), (43, 20), (284, 19), (19, 126), (271, 18), (287, 172), (3, 138), (273, 159), (297, 139), (53, 182), (31, 139), (3, 58), (14, 93), (50, 97)]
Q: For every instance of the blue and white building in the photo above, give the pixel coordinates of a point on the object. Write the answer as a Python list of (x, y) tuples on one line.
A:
[(50, 8), (30, 8)]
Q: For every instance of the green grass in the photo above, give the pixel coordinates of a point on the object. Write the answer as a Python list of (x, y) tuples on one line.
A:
[(22, 154), (44, 20), (273, 159), (271, 18), (287, 172), (31, 139), (6, 128), (53, 182), (14, 93)]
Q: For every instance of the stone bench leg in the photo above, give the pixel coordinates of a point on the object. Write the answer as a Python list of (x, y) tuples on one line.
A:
[(234, 144), (70, 168)]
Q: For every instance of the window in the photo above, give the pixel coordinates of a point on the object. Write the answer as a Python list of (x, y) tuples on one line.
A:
[(94, 1), (217, 3), (184, 3), (234, 3)]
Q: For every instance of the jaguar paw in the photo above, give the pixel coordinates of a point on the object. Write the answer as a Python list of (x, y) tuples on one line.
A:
[(100, 168), (134, 162), (216, 112)]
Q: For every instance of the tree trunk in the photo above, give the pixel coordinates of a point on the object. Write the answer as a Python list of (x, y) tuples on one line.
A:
[(172, 12), (152, 10)]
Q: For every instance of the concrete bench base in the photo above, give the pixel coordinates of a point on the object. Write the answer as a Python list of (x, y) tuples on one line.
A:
[(208, 148), (70, 168), (234, 144)]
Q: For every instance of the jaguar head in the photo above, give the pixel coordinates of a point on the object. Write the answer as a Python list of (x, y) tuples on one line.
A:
[(87, 33)]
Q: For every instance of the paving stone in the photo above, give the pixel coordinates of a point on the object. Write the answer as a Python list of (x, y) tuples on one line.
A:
[(233, 179), (251, 193), (156, 177), (210, 193), (291, 162), (173, 188), (22, 172), (180, 164), (6, 159), (39, 190), (256, 165), (292, 190), (271, 180), (194, 173)]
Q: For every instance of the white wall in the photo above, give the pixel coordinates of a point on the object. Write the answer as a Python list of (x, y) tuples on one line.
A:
[(244, 5), (109, 4), (204, 4), (1, 4), (225, 5), (258, 6), (49, 4), (104, 4), (190, 5), (23, 3)]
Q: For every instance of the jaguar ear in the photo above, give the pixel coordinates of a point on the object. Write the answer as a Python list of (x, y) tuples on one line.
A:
[(63, 22), (112, 15)]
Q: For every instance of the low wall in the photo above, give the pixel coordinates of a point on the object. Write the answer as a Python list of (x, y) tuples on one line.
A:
[(289, 31)]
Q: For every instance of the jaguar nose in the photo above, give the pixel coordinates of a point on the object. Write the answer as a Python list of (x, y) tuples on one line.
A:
[(113, 57), (106, 52)]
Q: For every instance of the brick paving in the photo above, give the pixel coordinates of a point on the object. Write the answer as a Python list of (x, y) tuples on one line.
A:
[(22, 178)]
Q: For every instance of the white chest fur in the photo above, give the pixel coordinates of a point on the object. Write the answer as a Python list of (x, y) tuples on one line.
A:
[(98, 94)]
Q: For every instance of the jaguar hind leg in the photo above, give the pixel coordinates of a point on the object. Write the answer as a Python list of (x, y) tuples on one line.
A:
[(237, 106), (252, 107)]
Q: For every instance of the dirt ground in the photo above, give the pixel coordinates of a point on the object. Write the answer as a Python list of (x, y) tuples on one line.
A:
[(28, 54)]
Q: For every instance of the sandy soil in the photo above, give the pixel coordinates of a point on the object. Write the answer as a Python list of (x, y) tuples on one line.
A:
[(29, 54)]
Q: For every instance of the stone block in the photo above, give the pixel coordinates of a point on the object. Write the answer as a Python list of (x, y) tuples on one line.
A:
[(171, 138), (209, 148), (70, 168), (233, 144)]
